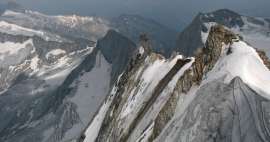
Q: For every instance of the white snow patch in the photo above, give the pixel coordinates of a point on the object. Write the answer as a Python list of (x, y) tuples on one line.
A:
[(13, 53), (55, 52), (34, 64), (141, 50), (92, 131), (149, 79), (13, 29), (256, 35), (204, 35), (92, 88)]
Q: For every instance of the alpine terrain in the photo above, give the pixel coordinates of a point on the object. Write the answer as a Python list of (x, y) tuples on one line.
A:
[(70, 78)]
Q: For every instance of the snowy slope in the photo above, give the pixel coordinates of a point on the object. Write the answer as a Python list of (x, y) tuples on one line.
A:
[(91, 28), (76, 26), (34, 64), (221, 94), (226, 103), (13, 29), (152, 73), (244, 62)]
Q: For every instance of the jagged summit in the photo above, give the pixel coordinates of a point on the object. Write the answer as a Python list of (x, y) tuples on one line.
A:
[(117, 50), (195, 35), (82, 79)]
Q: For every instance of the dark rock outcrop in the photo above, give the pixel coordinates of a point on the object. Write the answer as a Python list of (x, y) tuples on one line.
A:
[(204, 61), (117, 50), (132, 26), (190, 39), (224, 17), (263, 56)]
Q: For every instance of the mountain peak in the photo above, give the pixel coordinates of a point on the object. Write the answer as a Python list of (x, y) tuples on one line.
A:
[(117, 50), (225, 17)]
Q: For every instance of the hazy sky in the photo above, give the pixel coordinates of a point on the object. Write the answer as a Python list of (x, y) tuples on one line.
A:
[(172, 13)]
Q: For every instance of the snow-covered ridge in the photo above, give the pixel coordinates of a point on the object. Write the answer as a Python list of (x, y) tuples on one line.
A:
[(13, 29), (91, 27), (243, 62), (148, 76)]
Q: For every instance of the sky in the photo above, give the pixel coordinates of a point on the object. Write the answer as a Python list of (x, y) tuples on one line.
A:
[(172, 13)]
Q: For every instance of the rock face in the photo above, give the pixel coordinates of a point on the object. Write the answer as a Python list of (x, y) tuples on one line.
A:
[(94, 28), (62, 88), (264, 57), (182, 103), (29, 104), (133, 26), (48, 84), (117, 50), (224, 17), (190, 38), (195, 35)]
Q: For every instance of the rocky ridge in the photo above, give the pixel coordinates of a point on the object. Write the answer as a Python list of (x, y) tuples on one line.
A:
[(192, 76)]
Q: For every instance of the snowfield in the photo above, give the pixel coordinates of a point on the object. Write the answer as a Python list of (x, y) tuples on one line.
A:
[(9, 28), (55, 52), (93, 27), (14, 53)]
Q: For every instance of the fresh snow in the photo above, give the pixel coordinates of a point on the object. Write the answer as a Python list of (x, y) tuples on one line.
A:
[(92, 131), (256, 35), (149, 79), (13, 29), (92, 88), (55, 52), (95, 27), (245, 63), (13, 53), (204, 35), (9, 28), (170, 131), (160, 102), (141, 50), (34, 64)]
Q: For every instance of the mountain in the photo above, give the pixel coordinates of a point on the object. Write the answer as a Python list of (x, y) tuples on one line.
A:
[(133, 26), (50, 74), (221, 94), (48, 82), (85, 79), (253, 29), (91, 28), (94, 28)]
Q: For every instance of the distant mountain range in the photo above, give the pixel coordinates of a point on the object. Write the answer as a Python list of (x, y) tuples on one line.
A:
[(130, 79)]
